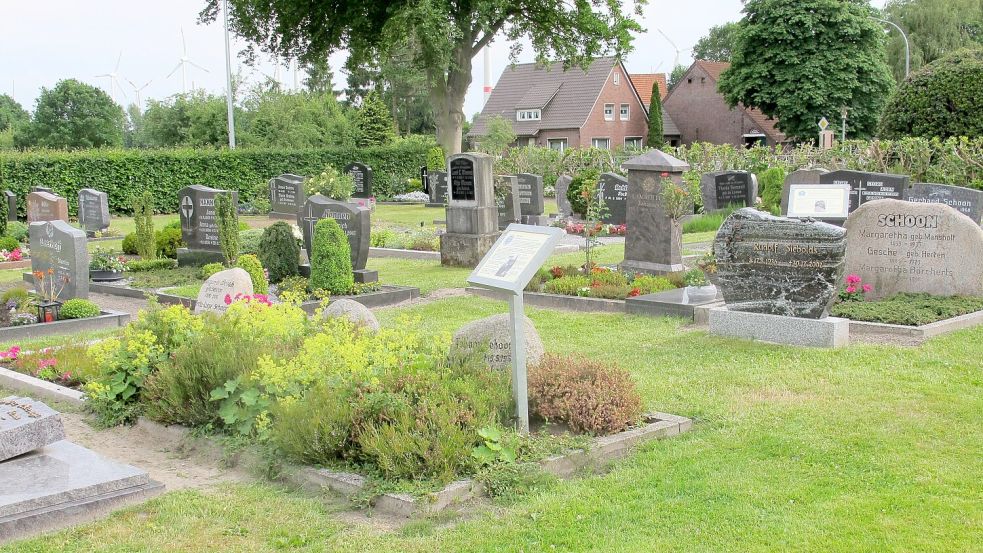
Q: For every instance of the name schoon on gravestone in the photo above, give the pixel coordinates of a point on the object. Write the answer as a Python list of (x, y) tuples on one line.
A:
[(866, 187), (221, 289), (353, 220), (199, 227), (967, 201), (725, 188), (614, 191), (777, 265), (44, 206), (507, 200), (60, 248), (93, 210), (897, 246), (362, 176), (286, 195)]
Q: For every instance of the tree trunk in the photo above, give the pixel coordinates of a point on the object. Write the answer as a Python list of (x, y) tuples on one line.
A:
[(447, 93)]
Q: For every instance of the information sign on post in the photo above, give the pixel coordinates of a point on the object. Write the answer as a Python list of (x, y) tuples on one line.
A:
[(508, 267), (820, 201)]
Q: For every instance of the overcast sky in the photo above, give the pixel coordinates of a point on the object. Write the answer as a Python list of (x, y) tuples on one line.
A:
[(43, 41)]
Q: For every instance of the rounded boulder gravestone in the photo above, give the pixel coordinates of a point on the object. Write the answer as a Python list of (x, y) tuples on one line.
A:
[(353, 311), (495, 333), (220, 287), (898, 246)]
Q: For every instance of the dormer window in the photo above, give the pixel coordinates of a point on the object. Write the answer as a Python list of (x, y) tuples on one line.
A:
[(528, 115)]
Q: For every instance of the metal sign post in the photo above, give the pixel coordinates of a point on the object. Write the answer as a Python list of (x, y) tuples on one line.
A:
[(520, 390)]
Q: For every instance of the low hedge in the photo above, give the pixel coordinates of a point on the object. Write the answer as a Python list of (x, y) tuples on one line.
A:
[(121, 173), (908, 309)]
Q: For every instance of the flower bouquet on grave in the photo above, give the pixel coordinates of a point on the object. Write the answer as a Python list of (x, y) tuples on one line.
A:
[(48, 289), (106, 266)]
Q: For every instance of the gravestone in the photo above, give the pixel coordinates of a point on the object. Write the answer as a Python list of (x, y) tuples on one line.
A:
[(220, 290), (43, 189), (778, 266), (353, 220), (362, 175), (93, 210), (653, 243), (437, 188), (287, 196), (967, 201), (493, 335), (471, 215), (26, 425), (867, 187), (724, 188), (355, 312), (562, 202), (799, 176), (45, 206), (199, 225), (60, 248), (614, 190), (507, 200), (11, 205), (531, 201), (897, 246)]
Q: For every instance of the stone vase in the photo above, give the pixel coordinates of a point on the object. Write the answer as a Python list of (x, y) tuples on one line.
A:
[(700, 294)]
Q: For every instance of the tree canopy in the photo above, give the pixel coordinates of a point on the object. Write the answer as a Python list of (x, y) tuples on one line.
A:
[(72, 115), (11, 113), (934, 29), (804, 60), (448, 33), (718, 44)]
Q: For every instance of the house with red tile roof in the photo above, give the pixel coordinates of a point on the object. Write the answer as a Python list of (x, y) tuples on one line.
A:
[(643, 84), (702, 115), (550, 107)]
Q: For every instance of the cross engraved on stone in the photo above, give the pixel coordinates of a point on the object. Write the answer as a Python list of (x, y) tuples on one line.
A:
[(187, 209), (311, 221)]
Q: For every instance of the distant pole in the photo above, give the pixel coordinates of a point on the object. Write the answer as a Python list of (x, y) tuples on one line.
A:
[(843, 112), (228, 83), (907, 47), (488, 86)]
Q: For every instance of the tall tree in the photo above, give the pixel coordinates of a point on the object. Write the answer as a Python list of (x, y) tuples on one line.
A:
[(375, 124), (718, 44), (450, 33), (320, 78), (656, 135), (72, 115), (676, 75), (803, 60), (934, 29), (11, 113)]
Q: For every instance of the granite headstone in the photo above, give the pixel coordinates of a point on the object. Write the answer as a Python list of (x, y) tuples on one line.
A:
[(898, 246), (967, 201), (614, 190), (26, 425), (362, 176), (531, 201), (728, 188), (45, 206), (562, 203), (93, 210), (61, 248), (220, 290), (471, 214), (507, 200), (199, 226), (352, 219), (653, 243), (355, 312), (437, 187), (11, 199), (286, 195), (866, 187), (778, 266)]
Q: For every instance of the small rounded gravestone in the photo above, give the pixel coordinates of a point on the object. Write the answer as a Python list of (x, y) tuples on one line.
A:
[(353, 311), (495, 333), (222, 285)]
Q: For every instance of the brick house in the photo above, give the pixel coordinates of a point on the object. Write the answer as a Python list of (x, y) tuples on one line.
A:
[(550, 107), (702, 115)]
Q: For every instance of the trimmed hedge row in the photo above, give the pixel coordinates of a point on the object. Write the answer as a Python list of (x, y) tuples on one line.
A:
[(121, 173)]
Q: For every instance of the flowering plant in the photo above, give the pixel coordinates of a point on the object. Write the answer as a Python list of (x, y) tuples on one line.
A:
[(254, 298), (855, 289), (47, 285), (10, 354), (104, 260), (13, 255)]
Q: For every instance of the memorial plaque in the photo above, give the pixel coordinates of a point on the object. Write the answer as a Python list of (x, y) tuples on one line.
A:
[(867, 187), (777, 265), (562, 203), (799, 176), (60, 248), (614, 190), (11, 205), (462, 179), (352, 219), (362, 175), (898, 246), (728, 188), (967, 201), (286, 195), (44, 206), (221, 289), (507, 200), (819, 201), (492, 335), (437, 187), (531, 201), (93, 210), (26, 425), (199, 226)]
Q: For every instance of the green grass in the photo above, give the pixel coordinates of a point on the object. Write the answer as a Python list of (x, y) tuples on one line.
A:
[(178, 276), (186, 291), (865, 448), (908, 309), (39, 343)]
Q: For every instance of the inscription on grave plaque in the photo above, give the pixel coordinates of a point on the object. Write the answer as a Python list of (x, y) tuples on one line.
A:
[(867, 187), (967, 201), (462, 179), (199, 226), (362, 177), (615, 193)]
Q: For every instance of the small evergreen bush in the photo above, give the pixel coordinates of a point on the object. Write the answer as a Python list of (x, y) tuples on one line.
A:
[(585, 179), (249, 240), (78, 308), (331, 183), (142, 265), (8, 243), (770, 183), (168, 240), (279, 251), (250, 263), (331, 259), (436, 160), (209, 269), (227, 220), (17, 230), (130, 244), (143, 217)]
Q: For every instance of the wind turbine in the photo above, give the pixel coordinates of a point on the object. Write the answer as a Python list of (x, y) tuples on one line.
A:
[(137, 90), (675, 62), (114, 79), (183, 65)]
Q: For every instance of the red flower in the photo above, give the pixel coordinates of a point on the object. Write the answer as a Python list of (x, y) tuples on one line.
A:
[(634, 292), (228, 299), (867, 288)]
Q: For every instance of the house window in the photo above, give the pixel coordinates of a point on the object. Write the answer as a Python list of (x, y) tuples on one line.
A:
[(603, 143), (528, 115), (609, 112), (624, 112), (617, 79), (558, 144), (633, 142)]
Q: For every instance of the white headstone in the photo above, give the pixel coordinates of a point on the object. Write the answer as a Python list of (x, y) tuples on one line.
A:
[(221, 287)]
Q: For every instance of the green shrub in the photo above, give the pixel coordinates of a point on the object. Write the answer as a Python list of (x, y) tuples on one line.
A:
[(249, 240), (585, 394), (648, 284), (382, 238), (436, 161), (168, 240), (279, 251), (17, 294), (295, 285), (707, 222), (130, 244), (227, 220), (250, 263), (908, 309), (209, 269), (584, 179), (17, 230), (332, 183), (8, 243), (770, 183), (78, 308), (610, 291), (566, 285), (331, 262), (3, 217), (141, 265), (143, 218)]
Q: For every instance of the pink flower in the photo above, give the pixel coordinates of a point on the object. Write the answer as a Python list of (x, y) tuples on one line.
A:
[(228, 299), (45, 363), (851, 289), (853, 279), (867, 288)]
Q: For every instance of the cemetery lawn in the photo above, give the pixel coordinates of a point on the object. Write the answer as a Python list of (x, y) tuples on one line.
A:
[(865, 448)]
